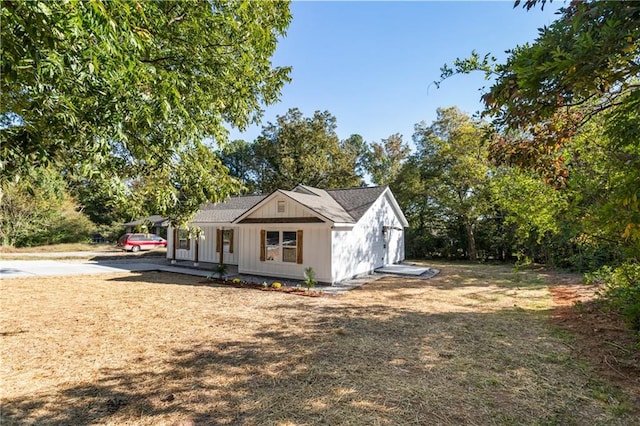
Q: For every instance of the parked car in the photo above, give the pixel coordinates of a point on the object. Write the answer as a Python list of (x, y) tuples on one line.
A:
[(137, 242)]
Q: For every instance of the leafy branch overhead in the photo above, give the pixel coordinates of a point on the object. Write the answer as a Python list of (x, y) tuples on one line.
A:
[(102, 87), (584, 64)]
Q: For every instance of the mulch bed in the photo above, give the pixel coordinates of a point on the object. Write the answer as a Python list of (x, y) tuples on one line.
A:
[(284, 289)]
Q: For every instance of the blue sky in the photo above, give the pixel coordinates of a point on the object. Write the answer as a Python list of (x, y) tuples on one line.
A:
[(371, 64)]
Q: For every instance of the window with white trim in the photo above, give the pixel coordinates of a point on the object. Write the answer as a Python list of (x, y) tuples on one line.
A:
[(184, 237), (227, 240), (281, 246), (224, 240), (289, 246), (272, 248)]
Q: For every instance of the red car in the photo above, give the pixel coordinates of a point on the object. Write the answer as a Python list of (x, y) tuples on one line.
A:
[(137, 242)]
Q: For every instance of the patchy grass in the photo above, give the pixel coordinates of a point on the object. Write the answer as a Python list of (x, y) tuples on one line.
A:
[(470, 346)]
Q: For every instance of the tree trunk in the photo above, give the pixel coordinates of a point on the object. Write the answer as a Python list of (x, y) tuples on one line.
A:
[(471, 239)]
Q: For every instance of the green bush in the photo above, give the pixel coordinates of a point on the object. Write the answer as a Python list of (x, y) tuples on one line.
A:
[(309, 278), (621, 289), (221, 270)]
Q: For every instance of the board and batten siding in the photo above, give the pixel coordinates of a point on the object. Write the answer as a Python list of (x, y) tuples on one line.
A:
[(181, 254), (363, 248), (316, 246), (291, 209), (207, 247)]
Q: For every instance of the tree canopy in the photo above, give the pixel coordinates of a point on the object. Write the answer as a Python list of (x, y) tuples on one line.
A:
[(586, 63), (446, 180), (304, 150), (383, 159), (103, 87), (38, 210), (568, 106)]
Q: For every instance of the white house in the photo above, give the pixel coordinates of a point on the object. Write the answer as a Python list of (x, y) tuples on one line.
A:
[(340, 233)]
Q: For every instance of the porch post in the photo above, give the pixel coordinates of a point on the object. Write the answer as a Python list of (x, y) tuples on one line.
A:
[(221, 246), (197, 246), (173, 245)]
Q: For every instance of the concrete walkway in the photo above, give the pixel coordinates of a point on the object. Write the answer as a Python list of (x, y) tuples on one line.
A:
[(408, 270), (103, 254)]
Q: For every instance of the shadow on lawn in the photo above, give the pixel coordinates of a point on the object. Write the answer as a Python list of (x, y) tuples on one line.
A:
[(342, 364), (171, 278), (118, 254)]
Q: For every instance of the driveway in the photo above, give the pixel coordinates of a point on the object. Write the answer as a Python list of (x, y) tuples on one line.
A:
[(43, 268)]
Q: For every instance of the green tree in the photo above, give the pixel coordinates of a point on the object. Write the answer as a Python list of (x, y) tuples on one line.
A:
[(95, 199), (587, 59), (427, 235), (93, 87), (454, 169), (303, 150), (356, 150), (574, 92), (533, 211), (384, 159), (238, 157), (583, 68), (583, 65), (191, 175), (603, 188), (37, 210)]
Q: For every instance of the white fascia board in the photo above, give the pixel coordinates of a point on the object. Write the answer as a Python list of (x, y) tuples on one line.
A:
[(308, 209), (270, 197), (256, 207), (394, 204)]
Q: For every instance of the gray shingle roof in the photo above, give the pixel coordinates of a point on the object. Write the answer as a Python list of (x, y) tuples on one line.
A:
[(356, 201), (321, 203), (226, 211), (336, 205)]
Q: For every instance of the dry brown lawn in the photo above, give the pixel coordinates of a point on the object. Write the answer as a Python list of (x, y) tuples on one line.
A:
[(473, 345)]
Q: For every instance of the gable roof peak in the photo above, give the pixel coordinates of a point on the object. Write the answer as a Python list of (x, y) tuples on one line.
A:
[(309, 190), (356, 201)]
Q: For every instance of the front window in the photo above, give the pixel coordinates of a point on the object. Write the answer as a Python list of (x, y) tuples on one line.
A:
[(289, 247), (281, 246), (273, 246), (227, 238), (183, 239)]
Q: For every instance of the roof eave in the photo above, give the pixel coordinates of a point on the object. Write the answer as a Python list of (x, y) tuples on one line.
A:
[(396, 207)]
